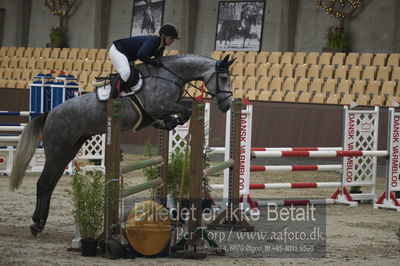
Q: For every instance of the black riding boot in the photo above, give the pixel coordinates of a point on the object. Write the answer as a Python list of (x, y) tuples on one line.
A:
[(117, 89)]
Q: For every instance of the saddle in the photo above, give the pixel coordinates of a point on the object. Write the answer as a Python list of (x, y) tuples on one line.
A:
[(105, 84)]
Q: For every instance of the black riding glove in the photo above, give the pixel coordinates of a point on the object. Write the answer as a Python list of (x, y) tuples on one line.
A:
[(156, 62)]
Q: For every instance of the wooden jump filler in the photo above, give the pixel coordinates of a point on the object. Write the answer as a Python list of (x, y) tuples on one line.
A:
[(112, 159), (113, 193)]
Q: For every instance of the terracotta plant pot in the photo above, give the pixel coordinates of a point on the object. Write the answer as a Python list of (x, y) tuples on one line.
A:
[(89, 247)]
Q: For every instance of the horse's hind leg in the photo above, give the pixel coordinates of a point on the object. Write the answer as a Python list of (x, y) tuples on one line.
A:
[(55, 164)]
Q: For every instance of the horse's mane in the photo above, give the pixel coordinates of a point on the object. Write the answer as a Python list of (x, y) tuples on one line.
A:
[(183, 56), (169, 61)]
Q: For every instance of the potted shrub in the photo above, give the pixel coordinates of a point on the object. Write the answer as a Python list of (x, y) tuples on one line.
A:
[(176, 164), (175, 167), (343, 11), (337, 40), (63, 9), (88, 202), (57, 37)]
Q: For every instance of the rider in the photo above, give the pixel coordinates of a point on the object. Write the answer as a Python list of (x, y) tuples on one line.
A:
[(143, 47), (244, 14)]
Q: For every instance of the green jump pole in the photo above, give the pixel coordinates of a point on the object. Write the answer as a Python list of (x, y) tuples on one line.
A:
[(218, 167), (141, 164), (136, 189)]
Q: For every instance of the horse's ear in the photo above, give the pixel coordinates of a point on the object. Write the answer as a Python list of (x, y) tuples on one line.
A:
[(224, 62), (231, 61)]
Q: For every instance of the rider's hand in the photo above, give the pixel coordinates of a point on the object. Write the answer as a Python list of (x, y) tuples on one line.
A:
[(156, 62)]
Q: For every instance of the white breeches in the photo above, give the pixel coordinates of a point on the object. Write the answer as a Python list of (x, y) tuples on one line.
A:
[(120, 62)]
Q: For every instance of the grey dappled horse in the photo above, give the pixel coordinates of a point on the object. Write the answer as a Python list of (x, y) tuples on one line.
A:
[(65, 128)]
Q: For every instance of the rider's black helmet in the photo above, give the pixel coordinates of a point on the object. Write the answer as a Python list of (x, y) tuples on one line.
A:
[(170, 30)]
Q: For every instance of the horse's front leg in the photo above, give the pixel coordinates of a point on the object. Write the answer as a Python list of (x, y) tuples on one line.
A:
[(169, 123), (170, 114)]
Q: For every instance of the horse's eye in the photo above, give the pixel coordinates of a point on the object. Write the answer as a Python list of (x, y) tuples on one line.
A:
[(225, 79)]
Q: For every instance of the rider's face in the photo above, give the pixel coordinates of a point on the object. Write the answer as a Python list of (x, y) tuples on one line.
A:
[(168, 40)]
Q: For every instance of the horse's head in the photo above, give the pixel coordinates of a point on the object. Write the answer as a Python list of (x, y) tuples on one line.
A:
[(219, 84), (251, 20)]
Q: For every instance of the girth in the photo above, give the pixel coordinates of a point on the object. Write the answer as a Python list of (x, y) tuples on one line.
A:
[(145, 118)]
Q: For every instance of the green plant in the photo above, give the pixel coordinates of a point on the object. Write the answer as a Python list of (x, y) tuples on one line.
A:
[(337, 38), (62, 9), (150, 172), (175, 167), (88, 202), (57, 36), (206, 189)]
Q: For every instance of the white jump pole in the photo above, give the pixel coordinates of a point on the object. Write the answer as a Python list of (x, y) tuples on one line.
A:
[(293, 168), (277, 154), (11, 128), (9, 138), (221, 150), (266, 203), (287, 185), (17, 113)]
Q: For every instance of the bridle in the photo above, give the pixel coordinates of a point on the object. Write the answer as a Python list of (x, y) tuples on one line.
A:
[(219, 70)]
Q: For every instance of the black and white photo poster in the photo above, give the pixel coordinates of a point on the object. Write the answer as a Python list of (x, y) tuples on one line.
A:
[(147, 17), (240, 25)]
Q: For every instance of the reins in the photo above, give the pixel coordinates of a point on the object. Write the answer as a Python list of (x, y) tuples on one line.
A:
[(217, 71), (186, 82)]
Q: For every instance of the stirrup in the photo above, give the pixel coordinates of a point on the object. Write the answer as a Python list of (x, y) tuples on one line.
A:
[(101, 83)]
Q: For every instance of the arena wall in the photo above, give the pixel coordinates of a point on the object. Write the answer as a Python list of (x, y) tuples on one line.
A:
[(289, 25)]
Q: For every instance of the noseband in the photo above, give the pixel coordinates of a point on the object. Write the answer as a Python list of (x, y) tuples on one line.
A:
[(219, 70)]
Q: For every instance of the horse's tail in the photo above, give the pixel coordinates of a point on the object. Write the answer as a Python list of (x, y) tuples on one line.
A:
[(25, 149)]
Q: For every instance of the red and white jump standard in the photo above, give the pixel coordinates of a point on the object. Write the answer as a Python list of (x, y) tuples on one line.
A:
[(360, 133), (360, 140), (388, 199)]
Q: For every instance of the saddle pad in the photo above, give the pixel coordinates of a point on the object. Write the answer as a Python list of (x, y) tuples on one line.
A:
[(103, 92)]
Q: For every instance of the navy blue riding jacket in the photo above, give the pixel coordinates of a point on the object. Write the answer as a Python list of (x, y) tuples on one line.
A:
[(140, 47)]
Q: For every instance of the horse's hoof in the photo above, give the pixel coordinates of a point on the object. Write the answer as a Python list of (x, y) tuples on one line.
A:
[(35, 230)]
